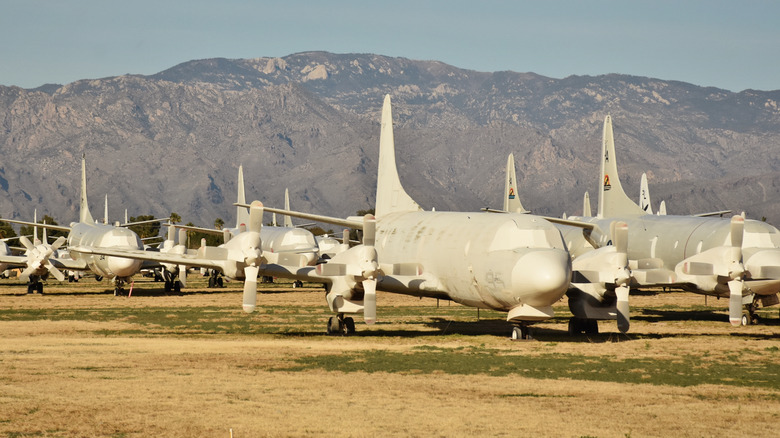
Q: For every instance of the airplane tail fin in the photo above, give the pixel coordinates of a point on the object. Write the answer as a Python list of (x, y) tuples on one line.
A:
[(613, 201), (84, 215), (644, 196), (242, 213), (511, 198), (287, 219), (586, 205), (390, 195)]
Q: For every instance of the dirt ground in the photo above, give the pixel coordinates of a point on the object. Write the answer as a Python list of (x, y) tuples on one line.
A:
[(79, 361)]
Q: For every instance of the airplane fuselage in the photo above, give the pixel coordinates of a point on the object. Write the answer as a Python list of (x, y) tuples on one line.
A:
[(106, 236), (668, 241), (477, 259)]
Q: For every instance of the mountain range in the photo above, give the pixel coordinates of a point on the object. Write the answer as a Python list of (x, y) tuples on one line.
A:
[(173, 141)]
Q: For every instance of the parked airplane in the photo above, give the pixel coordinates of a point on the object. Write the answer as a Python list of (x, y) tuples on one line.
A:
[(86, 234), (516, 263), (600, 274), (736, 258)]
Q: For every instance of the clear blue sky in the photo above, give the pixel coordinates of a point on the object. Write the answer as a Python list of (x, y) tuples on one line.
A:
[(728, 44)]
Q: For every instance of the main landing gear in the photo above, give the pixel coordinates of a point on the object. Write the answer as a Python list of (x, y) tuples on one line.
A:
[(119, 289), (521, 332), (35, 285), (339, 325), (215, 280), (580, 325)]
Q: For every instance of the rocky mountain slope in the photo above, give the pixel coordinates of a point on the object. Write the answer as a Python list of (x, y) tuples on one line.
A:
[(310, 121)]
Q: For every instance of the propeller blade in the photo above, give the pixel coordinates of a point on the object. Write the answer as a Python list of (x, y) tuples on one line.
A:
[(737, 231), (26, 242), (256, 216), (345, 237), (250, 288), (172, 233), (623, 317), (735, 302), (620, 237), (182, 237), (55, 272), (369, 230), (369, 301), (25, 275), (183, 275), (58, 243)]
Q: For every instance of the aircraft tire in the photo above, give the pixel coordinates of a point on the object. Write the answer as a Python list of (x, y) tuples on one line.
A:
[(177, 287), (591, 327), (334, 326), (30, 288), (349, 325), (39, 287), (746, 319), (219, 282)]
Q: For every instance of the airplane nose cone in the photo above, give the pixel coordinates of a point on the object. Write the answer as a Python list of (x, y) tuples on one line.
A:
[(122, 267), (545, 276)]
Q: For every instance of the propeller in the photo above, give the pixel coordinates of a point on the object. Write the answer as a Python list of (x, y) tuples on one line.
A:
[(38, 256), (736, 270), (623, 275), (252, 253), (369, 269)]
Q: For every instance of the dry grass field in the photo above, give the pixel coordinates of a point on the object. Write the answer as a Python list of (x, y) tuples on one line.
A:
[(79, 361)]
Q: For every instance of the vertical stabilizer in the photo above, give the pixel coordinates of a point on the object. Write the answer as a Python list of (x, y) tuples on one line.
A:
[(287, 219), (35, 228), (105, 210), (644, 196), (662, 209), (586, 205), (390, 195), (613, 201), (84, 215), (512, 202), (242, 213)]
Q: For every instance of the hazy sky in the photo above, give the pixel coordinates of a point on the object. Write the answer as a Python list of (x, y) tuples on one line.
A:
[(727, 44)]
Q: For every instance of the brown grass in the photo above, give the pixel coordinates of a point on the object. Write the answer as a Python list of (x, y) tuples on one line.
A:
[(66, 378)]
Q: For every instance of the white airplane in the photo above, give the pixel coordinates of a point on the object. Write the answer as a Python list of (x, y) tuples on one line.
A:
[(515, 263), (599, 286), (644, 202), (286, 244), (736, 258), (86, 234)]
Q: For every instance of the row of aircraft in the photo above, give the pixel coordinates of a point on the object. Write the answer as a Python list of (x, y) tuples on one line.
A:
[(508, 260)]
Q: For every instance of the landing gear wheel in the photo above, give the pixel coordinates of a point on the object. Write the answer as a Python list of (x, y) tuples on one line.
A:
[(746, 318), (522, 332), (297, 284), (219, 282), (177, 287), (349, 326), (575, 328), (212, 282), (167, 287), (334, 325), (39, 287), (591, 327), (30, 288)]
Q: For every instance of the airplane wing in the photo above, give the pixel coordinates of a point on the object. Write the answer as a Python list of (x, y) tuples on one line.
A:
[(712, 213), (175, 259), (349, 223), (570, 222), (34, 224), (199, 229)]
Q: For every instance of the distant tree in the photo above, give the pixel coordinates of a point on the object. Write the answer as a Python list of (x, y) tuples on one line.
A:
[(219, 223), (27, 230), (175, 218), (149, 229), (6, 230), (354, 234), (319, 231), (194, 238)]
